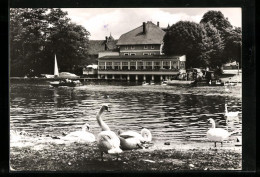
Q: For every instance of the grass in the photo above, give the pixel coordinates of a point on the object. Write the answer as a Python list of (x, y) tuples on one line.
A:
[(78, 157)]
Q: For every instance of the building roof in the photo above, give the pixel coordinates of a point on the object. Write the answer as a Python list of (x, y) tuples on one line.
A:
[(153, 35), (140, 57), (96, 46)]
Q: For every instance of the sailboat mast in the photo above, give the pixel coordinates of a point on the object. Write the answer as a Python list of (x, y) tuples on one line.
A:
[(56, 71)]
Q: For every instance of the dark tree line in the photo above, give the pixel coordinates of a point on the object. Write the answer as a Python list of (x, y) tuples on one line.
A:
[(210, 43), (36, 35)]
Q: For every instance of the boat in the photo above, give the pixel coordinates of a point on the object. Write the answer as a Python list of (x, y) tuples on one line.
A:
[(179, 82), (145, 83), (66, 82), (64, 76), (163, 83)]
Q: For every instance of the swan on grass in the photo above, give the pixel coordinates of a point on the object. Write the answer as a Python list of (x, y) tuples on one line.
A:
[(83, 136), (217, 134), (132, 140), (231, 116), (107, 141)]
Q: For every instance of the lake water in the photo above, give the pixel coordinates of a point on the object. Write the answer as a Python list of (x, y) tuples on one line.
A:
[(173, 114)]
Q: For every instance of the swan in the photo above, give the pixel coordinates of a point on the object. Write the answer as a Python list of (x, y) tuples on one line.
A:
[(217, 134), (83, 136), (107, 140), (231, 116), (132, 140)]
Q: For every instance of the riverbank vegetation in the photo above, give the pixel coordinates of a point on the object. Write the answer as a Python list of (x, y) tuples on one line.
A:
[(78, 157)]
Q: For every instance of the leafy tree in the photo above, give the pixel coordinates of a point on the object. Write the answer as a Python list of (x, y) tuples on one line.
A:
[(36, 35), (187, 38), (234, 45), (217, 19), (231, 37), (26, 39), (214, 45)]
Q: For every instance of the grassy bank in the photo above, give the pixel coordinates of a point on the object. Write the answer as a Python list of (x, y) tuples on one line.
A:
[(78, 157)]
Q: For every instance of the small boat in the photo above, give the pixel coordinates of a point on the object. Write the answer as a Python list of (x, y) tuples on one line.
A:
[(229, 84), (179, 82), (66, 82), (64, 76), (163, 83), (145, 83)]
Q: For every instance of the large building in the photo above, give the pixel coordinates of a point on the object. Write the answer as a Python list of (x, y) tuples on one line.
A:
[(138, 56)]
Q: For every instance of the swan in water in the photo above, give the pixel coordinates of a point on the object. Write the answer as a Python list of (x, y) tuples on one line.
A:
[(217, 134), (83, 136), (132, 140), (231, 116), (107, 140)]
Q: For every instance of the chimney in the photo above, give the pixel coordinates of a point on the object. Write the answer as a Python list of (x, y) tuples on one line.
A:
[(106, 39), (144, 27), (158, 24)]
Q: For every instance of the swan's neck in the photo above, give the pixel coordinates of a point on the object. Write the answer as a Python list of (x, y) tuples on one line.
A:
[(84, 128), (226, 109), (101, 123), (213, 124)]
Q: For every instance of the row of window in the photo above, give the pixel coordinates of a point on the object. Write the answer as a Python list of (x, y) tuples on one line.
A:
[(140, 63), (133, 47), (126, 54)]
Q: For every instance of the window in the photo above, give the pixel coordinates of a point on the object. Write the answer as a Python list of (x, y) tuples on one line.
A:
[(132, 65), (149, 65), (145, 53), (124, 65), (126, 53), (132, 53), (132, 47), (152, 47), (140, 65), (145, 47), (126, 47), (166, 64), (117, 65), (109, 65), (156, 65)]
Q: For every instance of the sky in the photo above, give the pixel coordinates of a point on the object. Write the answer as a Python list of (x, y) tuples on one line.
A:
[(100, 22)]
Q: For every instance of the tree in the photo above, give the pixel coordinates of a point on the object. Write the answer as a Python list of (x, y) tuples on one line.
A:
[(26, 39), (234, 45), (187, 38), (67, 40), (217, 19), (37, 34), (214, 45), (231, 37)]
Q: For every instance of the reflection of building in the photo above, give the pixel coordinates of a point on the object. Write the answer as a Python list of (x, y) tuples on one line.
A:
[(140, 56)]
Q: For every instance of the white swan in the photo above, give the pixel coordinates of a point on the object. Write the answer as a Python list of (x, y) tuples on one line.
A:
[(132, 140), (217, 134), (231, 116), (107, 140), (83, 136)]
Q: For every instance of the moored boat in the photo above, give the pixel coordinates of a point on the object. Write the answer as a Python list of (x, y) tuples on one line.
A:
[(179, 82), (66, 82)]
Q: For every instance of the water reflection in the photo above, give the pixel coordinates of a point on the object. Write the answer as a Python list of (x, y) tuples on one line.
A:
[(39, 109)]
